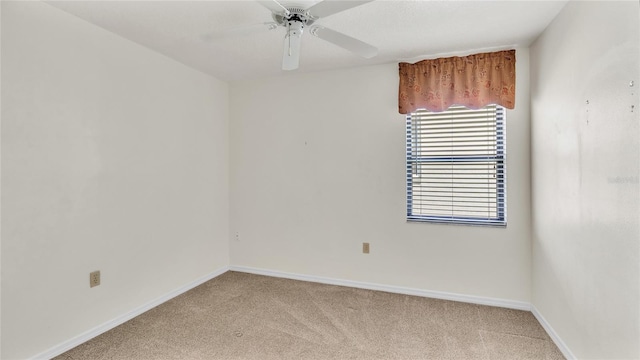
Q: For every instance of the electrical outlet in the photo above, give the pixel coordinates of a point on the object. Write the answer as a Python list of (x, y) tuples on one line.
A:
[(365, 248), (94, 278), (237, 236)]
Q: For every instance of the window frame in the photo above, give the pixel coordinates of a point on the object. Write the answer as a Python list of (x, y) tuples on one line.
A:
[(500, 158)]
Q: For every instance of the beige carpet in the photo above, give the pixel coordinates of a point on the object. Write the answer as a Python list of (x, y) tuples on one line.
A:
[(243, 316)]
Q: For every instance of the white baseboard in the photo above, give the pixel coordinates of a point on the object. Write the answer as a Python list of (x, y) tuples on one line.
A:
[(552, 334), (88, 335), (510, 304)]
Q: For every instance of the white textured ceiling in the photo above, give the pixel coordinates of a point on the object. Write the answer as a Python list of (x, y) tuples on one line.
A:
[(403, 30)]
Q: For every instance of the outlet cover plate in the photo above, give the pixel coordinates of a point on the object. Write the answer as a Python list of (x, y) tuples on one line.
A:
[(94, 278)]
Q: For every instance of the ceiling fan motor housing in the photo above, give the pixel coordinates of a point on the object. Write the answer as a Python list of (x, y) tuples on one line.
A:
[(296, 20)]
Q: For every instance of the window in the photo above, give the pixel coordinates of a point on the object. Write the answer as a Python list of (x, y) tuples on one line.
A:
[(456, 166)]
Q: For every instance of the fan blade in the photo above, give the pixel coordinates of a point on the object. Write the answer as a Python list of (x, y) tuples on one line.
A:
[(239, 31), (274, 6), (330, 7), (344, 41), (291, 55)]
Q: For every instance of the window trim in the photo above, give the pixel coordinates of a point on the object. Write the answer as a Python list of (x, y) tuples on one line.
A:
[(501, 178)]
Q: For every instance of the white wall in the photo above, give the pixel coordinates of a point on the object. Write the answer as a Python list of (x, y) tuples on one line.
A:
[(113, 158), (318, 167), (585, 178), (0, 187)]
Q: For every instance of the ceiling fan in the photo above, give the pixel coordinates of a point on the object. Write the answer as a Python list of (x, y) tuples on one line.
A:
[(296, 19)]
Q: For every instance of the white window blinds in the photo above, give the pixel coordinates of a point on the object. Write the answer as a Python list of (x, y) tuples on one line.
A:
[(456, 166)]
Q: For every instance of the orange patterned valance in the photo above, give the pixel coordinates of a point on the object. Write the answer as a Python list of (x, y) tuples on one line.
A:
[(473, 81)]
